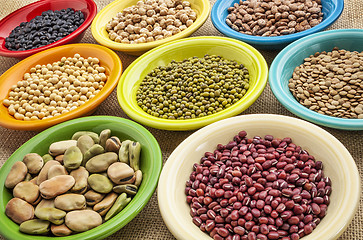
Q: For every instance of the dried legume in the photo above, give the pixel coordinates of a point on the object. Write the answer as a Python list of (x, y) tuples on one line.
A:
[(192, 88), (45, 29), (56, 88), (330, 83), (61, 198), (258, 188), (151, 20), (270, 18)]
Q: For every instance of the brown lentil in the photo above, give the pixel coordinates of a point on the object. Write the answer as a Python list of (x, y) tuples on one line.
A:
[(194, 87), (330, 83), (241, 202), (56, 88), (151, 20), (270, 18)]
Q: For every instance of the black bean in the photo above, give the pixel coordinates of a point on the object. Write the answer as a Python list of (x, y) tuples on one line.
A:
[(44, 29)]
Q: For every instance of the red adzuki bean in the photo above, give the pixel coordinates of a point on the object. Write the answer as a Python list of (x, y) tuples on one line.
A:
[(258, 188)]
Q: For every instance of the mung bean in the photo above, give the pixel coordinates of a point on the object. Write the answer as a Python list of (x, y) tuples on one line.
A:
[(192, 88)]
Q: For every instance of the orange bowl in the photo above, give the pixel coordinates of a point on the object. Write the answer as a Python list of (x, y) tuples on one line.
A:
[(108, 59)]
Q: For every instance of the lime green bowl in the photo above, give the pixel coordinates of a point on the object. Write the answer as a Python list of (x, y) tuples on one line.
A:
[(179, 50), (150, 165)]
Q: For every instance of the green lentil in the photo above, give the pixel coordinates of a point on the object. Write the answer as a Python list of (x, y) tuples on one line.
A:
[(192, 88)]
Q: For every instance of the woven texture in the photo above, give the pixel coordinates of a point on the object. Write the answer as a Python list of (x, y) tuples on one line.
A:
[(148, 224)]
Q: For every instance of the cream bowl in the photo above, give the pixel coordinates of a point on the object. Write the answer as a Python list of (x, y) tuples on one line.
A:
[(337, 161)]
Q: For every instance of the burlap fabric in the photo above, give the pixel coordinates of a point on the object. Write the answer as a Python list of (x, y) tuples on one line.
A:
[(148, 224)]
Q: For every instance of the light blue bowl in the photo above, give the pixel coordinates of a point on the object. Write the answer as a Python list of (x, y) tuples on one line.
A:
[(293, 55), (332, 9)]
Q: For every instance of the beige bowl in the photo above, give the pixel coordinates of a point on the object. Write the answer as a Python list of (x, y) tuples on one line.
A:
[(337, 161)]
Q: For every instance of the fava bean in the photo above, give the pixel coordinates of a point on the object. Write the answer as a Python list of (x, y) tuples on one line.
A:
[(66, 204), (35, 227), (17, 174)]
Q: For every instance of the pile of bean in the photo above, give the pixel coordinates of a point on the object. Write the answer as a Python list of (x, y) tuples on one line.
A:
[(77, 186), (258, 188), (57, 88), (45, 29), (151, 20), (192, 88), (270, 18), (330, 83)]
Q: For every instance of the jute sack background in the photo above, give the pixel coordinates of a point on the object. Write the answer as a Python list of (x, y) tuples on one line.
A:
[(149, 223)]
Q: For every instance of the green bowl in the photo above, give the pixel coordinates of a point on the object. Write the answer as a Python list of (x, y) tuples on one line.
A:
[(179, 50), (151, 163)]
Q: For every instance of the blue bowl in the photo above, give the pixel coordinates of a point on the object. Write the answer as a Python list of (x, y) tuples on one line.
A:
[(293, 55), (332, 9)]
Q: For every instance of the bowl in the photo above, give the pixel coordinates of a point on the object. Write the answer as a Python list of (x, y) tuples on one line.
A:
[(293, 55), (338, 165), (332, 9), (28, 12), (202, 7), (150, 165), (197, 46), (108, 59)]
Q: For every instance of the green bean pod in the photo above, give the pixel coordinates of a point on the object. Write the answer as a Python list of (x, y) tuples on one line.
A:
[(123, 154), (134, 155), (119, 204)]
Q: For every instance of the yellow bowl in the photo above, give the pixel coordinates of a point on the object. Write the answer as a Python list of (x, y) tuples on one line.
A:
[(179, 50), (108, 59), (98, 27)]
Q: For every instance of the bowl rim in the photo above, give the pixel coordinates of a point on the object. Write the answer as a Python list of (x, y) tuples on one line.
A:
[(222, 27), (92, 7), (139, 203), (167, 179), (103, 40), (286, 98), (189, 124), (87, 107)]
